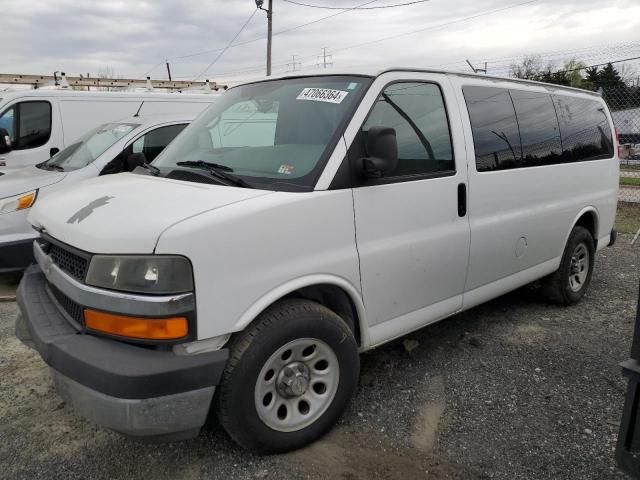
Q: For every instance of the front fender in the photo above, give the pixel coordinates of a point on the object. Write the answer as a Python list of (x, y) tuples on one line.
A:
[(285, 289)]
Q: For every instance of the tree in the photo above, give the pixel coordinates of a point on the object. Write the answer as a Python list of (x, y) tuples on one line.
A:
[(529, 68)]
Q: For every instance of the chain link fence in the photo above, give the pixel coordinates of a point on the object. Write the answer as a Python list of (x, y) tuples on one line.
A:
[(624, 103)]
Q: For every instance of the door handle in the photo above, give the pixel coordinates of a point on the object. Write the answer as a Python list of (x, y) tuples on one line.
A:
[(462, 199)]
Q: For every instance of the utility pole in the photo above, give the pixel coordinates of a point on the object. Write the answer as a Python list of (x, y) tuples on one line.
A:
[(269, 13), (322, 59), (168, 71), (293, 63)]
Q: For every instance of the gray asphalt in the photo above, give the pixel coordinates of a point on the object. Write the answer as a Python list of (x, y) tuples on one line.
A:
[(514, 389)]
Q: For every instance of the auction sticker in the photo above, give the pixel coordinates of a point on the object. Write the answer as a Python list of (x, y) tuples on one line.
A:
[(322, 95)]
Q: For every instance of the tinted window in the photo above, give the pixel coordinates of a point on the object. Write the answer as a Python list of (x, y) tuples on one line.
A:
[(417, 112), (495, 130), (585, 131), (34, 124), (539, 132), (156, 140)]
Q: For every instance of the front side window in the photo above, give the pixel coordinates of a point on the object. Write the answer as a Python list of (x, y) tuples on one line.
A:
[(7, 121), (32, 125), (585, 130), (275, 134), (417, 113), (153, 142), (88, 147), (494, 127)]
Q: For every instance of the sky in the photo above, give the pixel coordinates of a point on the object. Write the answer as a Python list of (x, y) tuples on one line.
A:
[(133, 38)]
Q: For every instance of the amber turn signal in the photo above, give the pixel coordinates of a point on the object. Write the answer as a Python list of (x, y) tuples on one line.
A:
[(26, 200), (135, 327)]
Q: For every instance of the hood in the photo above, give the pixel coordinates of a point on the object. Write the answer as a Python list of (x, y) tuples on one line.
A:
[(126, 213), (21, 180)]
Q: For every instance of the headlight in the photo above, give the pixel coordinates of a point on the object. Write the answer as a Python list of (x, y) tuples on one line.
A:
[(18, 202), (155, 274)]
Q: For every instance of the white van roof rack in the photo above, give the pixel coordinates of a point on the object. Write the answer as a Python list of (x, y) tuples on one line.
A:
[(60, 80)]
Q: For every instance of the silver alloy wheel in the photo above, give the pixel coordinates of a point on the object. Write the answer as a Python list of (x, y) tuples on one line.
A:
[(297, 384), (579, 267)]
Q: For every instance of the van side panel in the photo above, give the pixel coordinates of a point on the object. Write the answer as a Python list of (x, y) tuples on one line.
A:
[(79, 115), (520, 218), (247, 252)]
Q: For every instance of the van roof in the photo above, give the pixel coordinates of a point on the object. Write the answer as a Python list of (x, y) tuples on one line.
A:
[(372, 73)]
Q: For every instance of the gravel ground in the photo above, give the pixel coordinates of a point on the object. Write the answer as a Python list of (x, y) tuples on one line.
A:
[(514, 389)]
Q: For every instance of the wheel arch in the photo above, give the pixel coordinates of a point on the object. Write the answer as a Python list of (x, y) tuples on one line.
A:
[(335, 293), (588, 218)]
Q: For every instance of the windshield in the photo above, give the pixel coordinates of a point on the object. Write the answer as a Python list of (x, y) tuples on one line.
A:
[(88, 147), (273, 134)]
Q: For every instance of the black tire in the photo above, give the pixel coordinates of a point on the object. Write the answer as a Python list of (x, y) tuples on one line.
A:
[(557, 286), (286, 321)]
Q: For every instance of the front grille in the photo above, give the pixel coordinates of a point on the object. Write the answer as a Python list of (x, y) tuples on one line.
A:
[(71, 308), (73, 264)]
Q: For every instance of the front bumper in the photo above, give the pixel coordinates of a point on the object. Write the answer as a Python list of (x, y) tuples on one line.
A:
[(16, 255), (128, 388), (16, 240)]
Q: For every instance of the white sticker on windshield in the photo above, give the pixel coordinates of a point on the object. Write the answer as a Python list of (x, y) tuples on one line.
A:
[(322, 95)]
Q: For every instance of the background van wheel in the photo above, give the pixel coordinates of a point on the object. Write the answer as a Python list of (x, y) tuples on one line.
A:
[(289, 377), (568, 284)]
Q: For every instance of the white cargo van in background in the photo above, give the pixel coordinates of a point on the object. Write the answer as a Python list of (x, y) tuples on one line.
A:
[(40, 123)]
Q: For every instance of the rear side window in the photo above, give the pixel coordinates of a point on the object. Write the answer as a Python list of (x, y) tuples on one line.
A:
[(585, 130), (156, 140), (538, 124), (521, 128), (494, 126), (417, 113)]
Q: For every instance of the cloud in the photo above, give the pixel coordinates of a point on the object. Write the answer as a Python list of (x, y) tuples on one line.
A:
[(133, 37)]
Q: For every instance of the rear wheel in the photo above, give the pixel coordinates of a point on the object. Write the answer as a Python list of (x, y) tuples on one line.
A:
[(568, 284), (289, 377)]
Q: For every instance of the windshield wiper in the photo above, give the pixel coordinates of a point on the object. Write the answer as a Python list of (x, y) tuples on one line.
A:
[(155, 171), (221, 172), (51, 166), (203, 164)]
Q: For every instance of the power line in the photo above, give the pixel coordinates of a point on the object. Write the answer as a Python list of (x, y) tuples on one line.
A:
[(597, 65), (228, 45), (253, 40), (431, 27), (324, 7), (440, 25)]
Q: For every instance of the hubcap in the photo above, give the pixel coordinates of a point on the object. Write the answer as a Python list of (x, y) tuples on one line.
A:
[(579, 267), (297, 384)]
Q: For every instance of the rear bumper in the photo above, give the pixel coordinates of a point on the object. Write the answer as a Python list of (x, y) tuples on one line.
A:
[(131, 389), (16, 255)]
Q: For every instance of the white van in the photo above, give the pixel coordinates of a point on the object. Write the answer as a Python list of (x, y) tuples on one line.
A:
[(244, 277), (110, 148), (39, 123)]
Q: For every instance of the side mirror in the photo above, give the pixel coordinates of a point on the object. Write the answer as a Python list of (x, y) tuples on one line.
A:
[(5, 141), (382, 152), (134, 160)]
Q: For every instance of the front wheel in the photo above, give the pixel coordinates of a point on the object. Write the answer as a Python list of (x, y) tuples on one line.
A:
[(568, 284), (289, 377)]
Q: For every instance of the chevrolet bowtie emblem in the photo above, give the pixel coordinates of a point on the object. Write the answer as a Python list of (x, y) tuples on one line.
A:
[(87, 210)]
